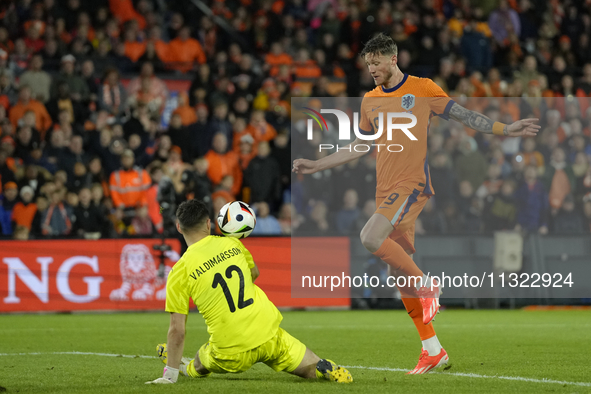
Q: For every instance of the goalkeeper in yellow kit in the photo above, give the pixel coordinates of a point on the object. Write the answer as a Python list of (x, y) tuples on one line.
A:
[(218, 274)]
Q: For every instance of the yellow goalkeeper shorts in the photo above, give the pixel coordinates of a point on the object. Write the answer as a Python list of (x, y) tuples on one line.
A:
[(282, 353)]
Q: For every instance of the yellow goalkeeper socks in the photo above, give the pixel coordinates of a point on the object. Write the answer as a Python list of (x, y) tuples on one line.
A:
[(192, 372)]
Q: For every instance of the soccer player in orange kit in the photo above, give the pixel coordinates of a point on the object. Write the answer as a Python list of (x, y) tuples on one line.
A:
[(403, 180)]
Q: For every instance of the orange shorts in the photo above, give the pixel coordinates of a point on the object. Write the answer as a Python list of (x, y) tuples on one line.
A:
[(401, 208)]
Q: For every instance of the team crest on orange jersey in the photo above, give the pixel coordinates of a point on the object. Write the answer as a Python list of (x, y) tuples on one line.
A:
[(408, 101)]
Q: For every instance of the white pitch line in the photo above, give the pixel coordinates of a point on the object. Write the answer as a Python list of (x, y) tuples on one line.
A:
[(474, 375), (461, 374), (440, 325), (77, 353)]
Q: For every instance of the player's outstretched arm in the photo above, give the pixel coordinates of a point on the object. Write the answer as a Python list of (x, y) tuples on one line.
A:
[(479, 122), (344, 155)]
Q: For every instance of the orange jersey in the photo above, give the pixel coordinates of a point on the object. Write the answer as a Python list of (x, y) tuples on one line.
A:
[(188, 115), (124, 11), (408, 168), (134, 50)]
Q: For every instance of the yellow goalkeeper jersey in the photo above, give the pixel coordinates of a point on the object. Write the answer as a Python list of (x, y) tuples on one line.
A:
[(215, 273)]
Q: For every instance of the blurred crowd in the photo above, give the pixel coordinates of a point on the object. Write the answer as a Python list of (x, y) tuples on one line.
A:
[(88, 149)]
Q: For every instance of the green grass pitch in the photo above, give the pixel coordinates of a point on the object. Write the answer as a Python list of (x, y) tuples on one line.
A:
[(483, 346)]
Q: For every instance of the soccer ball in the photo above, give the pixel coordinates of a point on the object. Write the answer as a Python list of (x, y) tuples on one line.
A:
[(236, 219)]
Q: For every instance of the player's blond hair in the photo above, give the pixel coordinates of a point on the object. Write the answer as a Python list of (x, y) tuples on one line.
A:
[(380, 44)]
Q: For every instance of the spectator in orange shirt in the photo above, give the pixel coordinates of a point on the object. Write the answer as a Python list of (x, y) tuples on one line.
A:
[(124, 11), (26, 103), (276, 58), (187, 113), (185, 51), (24, 210), (133, 48), (487, 88), (306, 67), (222, 163), (259, 128), (129, 185)]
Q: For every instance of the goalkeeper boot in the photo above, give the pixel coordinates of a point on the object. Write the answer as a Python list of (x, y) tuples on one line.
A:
[(428, 363), (330, 371), (429, 297)]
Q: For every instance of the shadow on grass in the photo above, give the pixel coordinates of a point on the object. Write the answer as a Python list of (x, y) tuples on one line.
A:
[(279, 377)]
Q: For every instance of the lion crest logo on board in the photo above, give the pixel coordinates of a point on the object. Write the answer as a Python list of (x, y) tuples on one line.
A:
[(139, 275)]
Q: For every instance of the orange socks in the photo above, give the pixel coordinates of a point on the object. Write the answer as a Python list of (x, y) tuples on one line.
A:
[(415, 311), (393, 254)]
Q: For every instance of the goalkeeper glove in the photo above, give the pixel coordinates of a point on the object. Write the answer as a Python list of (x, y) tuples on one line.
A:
[(169, 376)]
